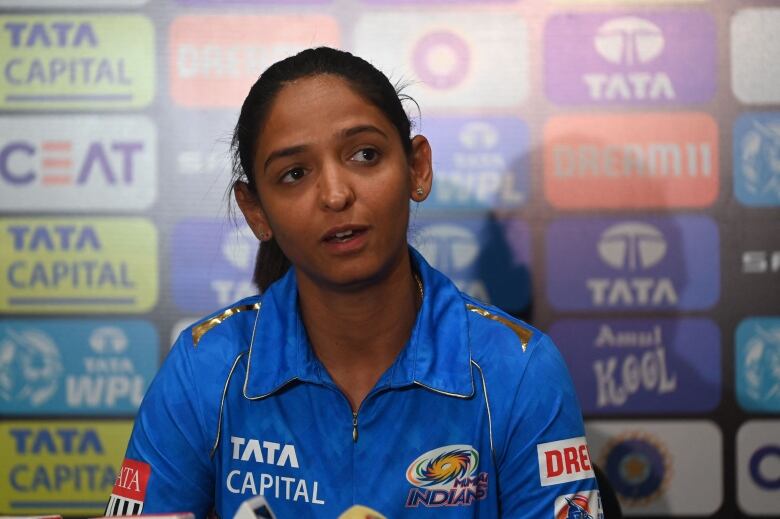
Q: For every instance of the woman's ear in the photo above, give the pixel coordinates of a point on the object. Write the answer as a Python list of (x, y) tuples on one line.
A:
[(249, 203), (421, 169)]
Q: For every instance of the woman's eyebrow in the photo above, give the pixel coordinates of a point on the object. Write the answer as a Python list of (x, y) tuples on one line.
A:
[(349, 132), (284, 152)]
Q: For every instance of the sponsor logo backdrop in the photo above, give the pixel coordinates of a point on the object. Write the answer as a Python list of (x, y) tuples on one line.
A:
[(606, 169)]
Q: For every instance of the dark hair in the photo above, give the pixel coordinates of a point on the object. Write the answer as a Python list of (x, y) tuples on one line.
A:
[(364, 78)]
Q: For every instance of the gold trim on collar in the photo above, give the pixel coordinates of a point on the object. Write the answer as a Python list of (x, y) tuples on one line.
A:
[(200, 330), (524, 334)]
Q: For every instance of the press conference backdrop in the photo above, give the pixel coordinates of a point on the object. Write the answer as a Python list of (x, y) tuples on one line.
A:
[(609, 170)]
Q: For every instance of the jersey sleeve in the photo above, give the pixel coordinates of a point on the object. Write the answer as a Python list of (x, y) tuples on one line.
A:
[(545, 468), (167, 467)]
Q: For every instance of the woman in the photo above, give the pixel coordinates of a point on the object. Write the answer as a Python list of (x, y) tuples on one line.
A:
[(360, 375)]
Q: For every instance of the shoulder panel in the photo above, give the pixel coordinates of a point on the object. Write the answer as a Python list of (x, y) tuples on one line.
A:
[(199, 330), (524, 334)]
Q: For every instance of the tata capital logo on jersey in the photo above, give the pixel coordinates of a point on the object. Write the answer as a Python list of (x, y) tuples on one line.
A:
[(71, 61), (488, 259), (758, 364), (656, 263), (757, 159), (446, 476), (480, 162), (109, 163), (216, 58), (656, 58), (631, 161)]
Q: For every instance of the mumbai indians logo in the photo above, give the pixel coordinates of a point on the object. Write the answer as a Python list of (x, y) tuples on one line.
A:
[(446, 477)]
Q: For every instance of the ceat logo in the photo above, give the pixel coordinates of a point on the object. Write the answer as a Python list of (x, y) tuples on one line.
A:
[(564, 461), (628, 41), (583, 505), (632, 246)]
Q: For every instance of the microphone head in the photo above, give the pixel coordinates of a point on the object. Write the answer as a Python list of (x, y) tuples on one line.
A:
[(361, 512), (254, 508)]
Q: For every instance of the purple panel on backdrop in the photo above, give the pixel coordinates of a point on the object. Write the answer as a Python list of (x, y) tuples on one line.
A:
[(251, 2), (417, 2), (643, 58), (642, 365), (661, 263), (211, 264)]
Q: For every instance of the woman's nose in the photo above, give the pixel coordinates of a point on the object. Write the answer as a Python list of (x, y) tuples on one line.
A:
[(336, 193)]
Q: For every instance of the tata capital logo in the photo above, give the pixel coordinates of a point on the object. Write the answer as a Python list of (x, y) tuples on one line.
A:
[(632, 247), (30, 367), (441, 59), (446, 476), (757, 160)]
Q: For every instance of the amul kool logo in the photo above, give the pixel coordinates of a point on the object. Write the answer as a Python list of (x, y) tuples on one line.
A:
[(216, 59), (50, 466), (77, 265), (212, 264), (637, 59), (653, 263), (83, 367), (488, 259), (642, 366), (757, 159), (75, 61), (107, 163), (631, 161), (480, 163), (452, 57)]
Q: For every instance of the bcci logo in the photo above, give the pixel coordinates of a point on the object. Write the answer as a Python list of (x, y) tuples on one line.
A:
[(446, 476)]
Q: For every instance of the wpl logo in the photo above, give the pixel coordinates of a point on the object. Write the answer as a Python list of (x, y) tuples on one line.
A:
[(757, 159)]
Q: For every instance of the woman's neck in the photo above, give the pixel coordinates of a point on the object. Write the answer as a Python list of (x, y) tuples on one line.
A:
[(357, 334)]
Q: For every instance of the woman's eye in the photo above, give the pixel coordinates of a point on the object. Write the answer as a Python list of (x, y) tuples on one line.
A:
[(365, 155), (293, 175)]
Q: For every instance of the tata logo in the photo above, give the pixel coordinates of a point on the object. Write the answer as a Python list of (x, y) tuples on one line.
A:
[(657, 58), (45, 166), (56, 441), (758, 364), (453, 249), (757, 159), (481, 163), (203, 281), (633, 264), (630, 247)]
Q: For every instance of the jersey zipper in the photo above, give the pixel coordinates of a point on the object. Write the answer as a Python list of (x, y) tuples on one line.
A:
[(354, 427)]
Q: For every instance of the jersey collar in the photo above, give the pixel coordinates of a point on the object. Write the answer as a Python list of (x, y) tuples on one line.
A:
[(436, 357)]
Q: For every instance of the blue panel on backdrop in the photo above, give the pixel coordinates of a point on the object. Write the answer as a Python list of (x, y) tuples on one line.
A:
[(660, 263), (757, 364), (757, 159), (487, 258), (478, 162), (623, 366), (75, 366)]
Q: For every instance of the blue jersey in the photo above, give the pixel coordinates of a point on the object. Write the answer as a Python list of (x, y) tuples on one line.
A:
[(476, 417)]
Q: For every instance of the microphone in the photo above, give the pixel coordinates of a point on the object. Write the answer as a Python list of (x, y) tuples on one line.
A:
[(256, 507), (361, 512)]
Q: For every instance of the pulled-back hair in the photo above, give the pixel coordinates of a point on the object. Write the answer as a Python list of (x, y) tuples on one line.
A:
[(362, 77)]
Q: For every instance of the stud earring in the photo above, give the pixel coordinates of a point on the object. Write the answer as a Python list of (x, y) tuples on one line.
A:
[(262, 236), (420, 191)]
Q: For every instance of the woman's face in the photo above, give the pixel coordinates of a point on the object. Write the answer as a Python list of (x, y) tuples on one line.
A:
[(334, 183)]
